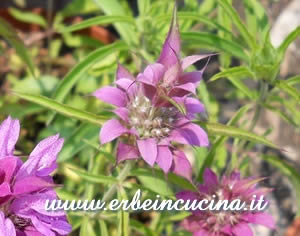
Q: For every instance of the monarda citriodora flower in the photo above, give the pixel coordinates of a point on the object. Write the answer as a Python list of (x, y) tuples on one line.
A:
[(220, 222), (149, 110), (25, 187)]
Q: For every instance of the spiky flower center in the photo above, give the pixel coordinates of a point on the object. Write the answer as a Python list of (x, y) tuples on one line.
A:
[(216, 220), (150, 121), (19, 222)]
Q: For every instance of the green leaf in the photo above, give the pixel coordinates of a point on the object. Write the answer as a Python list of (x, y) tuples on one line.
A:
[(252, 94), (99, 20), (75, 142), (82, 67), (142, 228), (209, 159), (195, 17), (87, 227), (214, 42), (174, 179), (238, 22), (103, 228), (288, 170), (153, 182), (28, 17), (226, 130), (293, 80), (288, 40), (63, 109), (257, 19), (94, 179), (284, 86), (113, 7), (281, 113), (236, 72), (9, 33)]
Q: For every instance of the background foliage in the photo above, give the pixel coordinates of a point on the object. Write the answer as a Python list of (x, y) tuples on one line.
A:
[(50, 78)]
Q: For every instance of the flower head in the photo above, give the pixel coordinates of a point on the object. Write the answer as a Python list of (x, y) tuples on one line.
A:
[(25, 187), (225, 223), (148, 107)]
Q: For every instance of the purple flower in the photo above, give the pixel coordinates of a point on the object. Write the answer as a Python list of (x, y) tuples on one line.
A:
[(149, 129), (25, 187), (149, 119), (225, 223)]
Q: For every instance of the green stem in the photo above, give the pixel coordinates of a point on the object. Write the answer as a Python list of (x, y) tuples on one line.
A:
[(262, 97), (122, 176)]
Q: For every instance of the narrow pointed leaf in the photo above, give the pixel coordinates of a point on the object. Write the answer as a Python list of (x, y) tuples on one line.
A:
[(294, 80), (236, 72), (98, 20), (288, 40), (28, 17), (214, 42), (284, 86), (63, 109), (113, 7), (238, 22), (75, 74), (94, 179), (231, 131), (209, 159)]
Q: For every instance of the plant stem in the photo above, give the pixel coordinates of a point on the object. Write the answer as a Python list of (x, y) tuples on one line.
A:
[(122, 176), (262, 97)]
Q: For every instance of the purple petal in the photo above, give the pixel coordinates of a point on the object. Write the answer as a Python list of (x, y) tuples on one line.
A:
[(171, 47), (189, 87), (172, 74), (111, 130), (152, 74), (122, 112), (190, 134), (126, 152), (194, 106), (242, 229), (25, 204), (181, 165), (191, 77), (111, 95), (8, 165), (260, 218), (43, 228), (128, 86), (30, 184), (9, 134), (31, 231), (190, 60), (61, 227), (201, 233), (122, 73), (5, 189), (42, 160), (210, 178), (187, 195), (148, 150), (7, 228), (164, 158)]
